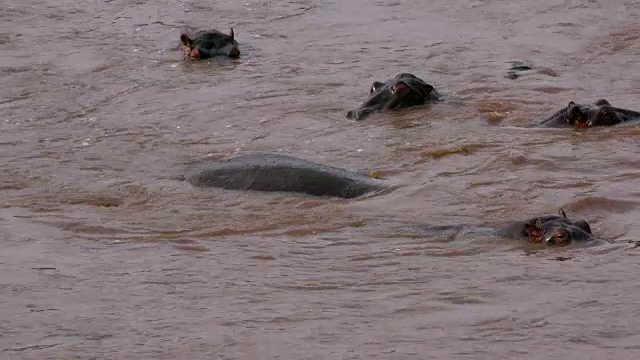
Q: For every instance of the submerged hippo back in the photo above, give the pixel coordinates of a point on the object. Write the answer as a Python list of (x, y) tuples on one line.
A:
[(274, 172)]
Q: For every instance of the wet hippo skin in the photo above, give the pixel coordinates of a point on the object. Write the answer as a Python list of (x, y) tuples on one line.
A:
[(209, 43), (599, 113), (276, 172), (555, 230), (551, 230), (403, 91)]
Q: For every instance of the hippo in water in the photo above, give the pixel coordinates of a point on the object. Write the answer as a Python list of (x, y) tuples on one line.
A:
[(275, 172), (209, 43), (550, 230), (600, 113), (403, 91), (554, 230)]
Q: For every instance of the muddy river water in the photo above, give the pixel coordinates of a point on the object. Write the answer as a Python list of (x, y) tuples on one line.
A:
[(105, 255)]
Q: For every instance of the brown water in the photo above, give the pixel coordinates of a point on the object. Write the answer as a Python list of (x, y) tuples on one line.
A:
[(105, 256)]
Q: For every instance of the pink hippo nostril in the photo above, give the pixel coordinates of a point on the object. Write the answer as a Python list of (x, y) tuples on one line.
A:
[(195, 54), (582, 124), (399, 86)]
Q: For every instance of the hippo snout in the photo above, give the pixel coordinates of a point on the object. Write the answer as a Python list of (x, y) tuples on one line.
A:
[(359, 114), (234, 52)]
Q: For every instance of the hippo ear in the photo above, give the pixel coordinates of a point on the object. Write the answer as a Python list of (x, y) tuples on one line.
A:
[(426, 89), (602, 102), (231, 34), (562, 213), (186, 40), (584, 226), (375, 86), (571, 103)]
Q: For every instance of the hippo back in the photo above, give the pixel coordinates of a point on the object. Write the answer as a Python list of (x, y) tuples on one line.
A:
[(275, 172)]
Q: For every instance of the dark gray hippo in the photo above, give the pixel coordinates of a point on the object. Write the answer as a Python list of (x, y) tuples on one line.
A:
[(209, 43), (600, 113), (551, 230), (554, 230), (275, 172), (403, 91)]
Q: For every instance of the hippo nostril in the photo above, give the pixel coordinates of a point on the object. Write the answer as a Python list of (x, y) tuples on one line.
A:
[(582, 123), (194, 54), (398, 87)]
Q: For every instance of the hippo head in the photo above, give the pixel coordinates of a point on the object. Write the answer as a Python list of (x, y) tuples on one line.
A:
[(557, 230), (189, 48), (600, 113), (206, 44), (402, 91)]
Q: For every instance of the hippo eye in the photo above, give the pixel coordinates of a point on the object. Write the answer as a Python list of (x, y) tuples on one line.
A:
[(606, 115), (560, 238)]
